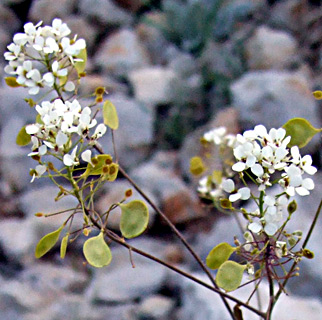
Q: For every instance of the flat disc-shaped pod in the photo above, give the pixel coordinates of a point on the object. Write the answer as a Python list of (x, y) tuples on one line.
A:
[(230, 275), (134, 218), (97, 252)]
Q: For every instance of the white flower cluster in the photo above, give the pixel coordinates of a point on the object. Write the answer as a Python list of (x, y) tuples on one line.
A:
[(58, 122), (41, 56), (262, 154)]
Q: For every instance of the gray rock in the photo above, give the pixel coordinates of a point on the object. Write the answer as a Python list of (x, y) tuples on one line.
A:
[(46, 278), (17, 237), (287, 14), (5, 39), (152, 37), (84, 30), (155, 307), (8, 20), (71, 307), (211, 307), (269, 48), (121, 53), (44, 10), (21, 297), (119, 282), (272, 98), (152, 85), (105, 11), (42, 200), (179, 204)]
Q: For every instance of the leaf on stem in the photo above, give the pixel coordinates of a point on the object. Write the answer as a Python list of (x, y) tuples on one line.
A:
[(23, 138), (301, 132), (110, 115), (63, 246), (230, 275), (219, 254), (134, 218), (47, 242), (97, 252)]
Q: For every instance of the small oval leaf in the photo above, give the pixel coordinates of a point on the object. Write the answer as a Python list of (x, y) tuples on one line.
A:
[(134, 218), (219, 254), (301, 132), (230, 275), (110, 115), (23, 138), (47, 242), (12, 82), (197, 166), (97, 252), (63, 246), (81, 65)]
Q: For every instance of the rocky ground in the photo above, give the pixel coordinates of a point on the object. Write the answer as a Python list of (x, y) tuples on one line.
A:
[(173, 70)]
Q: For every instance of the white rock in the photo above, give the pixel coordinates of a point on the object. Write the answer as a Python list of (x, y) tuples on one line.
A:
[(152, 85), (269, 48), (120, 282), (17, 237), (121, 52)]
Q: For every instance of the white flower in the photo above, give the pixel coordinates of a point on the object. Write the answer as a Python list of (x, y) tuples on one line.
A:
[(242, 193), (71, 159), (61, 139), (60, 29), (99, 131), (39, 171), (304, 163), (87, 156)]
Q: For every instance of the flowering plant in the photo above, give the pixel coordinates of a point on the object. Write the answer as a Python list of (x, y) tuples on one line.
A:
[(44, 59)]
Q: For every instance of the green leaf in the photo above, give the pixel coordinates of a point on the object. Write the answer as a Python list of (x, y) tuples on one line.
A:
[(47, 242), (110, 115), (12, 82), (301, 132), (197, 166), (219, 254), (81, 65), (23, 138), (229, 275), (63, 246), (134, 218), (97, 252)]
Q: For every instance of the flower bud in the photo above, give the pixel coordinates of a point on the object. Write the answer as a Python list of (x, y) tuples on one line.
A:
[(128, 193)]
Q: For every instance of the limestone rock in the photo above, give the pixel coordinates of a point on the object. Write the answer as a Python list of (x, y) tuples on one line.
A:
[(152, 85), (269, 48), (121, 53)]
